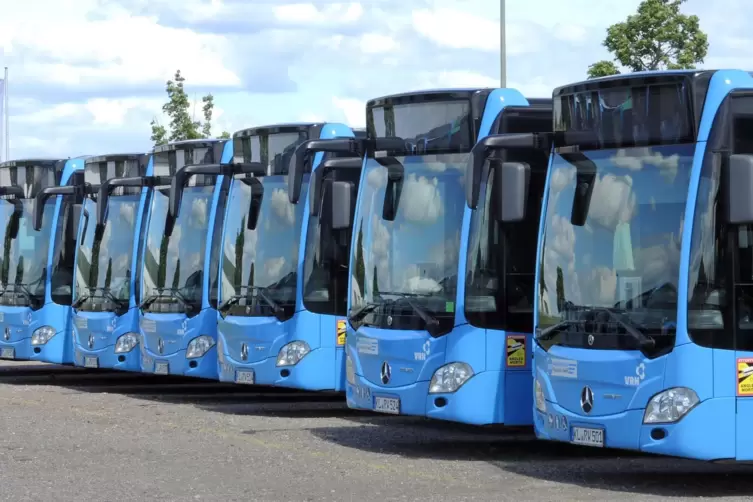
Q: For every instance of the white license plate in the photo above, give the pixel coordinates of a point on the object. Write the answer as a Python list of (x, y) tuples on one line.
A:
[(588, 437), (8, 353), (244, 377), (387, 405), (91, 362), (161, 368)]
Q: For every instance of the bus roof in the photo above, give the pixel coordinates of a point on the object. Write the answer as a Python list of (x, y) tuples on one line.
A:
[(182, 144), (642, 76), (114, 157), (277, 128), (425, 95), (41, 161)]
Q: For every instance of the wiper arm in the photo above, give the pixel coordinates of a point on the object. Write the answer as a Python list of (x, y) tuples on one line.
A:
[(172, 294), (644, 341), (261, 292), (357, 315), (106, 294), (427, 317)]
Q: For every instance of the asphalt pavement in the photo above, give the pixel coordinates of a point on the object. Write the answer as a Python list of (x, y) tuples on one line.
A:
[(74, 434)]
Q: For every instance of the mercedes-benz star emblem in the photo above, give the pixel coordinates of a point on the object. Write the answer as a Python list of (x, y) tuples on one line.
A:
[(590, 339), (244, 351), (160, 346), (91, 341), (389, 320), (386, 372), (587, 399), (7, 333)]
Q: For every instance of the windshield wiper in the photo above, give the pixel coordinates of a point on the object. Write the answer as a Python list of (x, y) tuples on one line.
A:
[(356, 315), (22, 290), (170, 294), (106, 294), (432, 323), (261, 292), (644, 342)]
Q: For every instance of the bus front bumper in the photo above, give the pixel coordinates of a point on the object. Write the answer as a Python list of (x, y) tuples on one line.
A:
[(177, 364)]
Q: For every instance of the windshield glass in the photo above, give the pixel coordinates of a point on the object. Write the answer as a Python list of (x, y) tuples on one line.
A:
[(174, 266), (24, 259), (417, 253), (626, 256), (266, 257), (104, 258)]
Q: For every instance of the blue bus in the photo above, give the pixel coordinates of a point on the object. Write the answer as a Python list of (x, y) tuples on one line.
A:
[(420, 342), (645, 266), (105, 289), (177, 321), (279, 322), (36, 270)]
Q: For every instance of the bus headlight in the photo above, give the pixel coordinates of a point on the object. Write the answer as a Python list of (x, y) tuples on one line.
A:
[(670, 405), (449, 378), (199, 346), (291, 353), (126, 343), (540, 401), (350, 369), (42, 335)]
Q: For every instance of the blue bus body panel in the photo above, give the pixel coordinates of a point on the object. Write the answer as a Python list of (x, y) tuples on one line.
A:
[(323, 367), (19, 323), (494, 394), (623, 382), (175, 331), (96, 333)]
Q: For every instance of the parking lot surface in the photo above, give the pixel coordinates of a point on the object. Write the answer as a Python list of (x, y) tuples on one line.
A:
[(73, 434)]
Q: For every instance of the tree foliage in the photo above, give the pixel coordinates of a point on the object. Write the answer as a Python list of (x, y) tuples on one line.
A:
[(182, 123), (657, 37)]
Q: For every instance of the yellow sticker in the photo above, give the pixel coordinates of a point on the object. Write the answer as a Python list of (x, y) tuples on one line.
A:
[(745, 376), (516, 351), (341, 332)]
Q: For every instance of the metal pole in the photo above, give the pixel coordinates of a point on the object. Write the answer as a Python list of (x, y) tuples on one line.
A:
[(7, 115), (502, 45)]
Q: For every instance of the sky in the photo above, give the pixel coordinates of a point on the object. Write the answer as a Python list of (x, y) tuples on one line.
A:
[(88, 76)]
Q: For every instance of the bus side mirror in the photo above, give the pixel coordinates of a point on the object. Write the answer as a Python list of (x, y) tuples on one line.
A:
[(74, 215), (304, 152), (13, 224), (510, 191), (484, 148), (739, 189), (254, 207), (342, 195)]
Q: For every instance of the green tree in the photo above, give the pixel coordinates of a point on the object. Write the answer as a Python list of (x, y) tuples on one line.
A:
[(176, 275), (657, 37), (182, 125), (375, 283), (360, 275), (108, 274), (560, 289), (240, 243), (20, 270), (162, 268)]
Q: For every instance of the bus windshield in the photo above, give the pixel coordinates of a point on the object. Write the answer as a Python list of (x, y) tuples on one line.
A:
[(103, 271), (174, 266), (24, 258), (259, 266), (626, 256), (414, 256)]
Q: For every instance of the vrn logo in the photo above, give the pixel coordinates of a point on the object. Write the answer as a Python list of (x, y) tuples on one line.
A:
[(640, 374), (426, 350)]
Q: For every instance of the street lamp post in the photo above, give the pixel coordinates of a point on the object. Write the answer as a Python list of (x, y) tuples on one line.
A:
[(502, 45)]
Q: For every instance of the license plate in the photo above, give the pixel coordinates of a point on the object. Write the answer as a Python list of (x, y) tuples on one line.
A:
[(387, 405), (8, 353), (161, 368), (244, 377), (91, 362), (588, 437)]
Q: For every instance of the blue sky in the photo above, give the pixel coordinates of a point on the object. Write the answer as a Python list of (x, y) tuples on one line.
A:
[(87, 76)]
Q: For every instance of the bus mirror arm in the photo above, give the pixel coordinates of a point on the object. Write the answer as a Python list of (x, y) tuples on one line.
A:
[(41, 198), (585, 179), (486, 147), (739, 176), (302, 155)]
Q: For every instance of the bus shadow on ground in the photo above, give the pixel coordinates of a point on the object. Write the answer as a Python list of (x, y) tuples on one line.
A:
[(629, 472), (207, 395)]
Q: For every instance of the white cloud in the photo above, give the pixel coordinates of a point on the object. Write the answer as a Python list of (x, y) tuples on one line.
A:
[(425, 203), (637, 160), (282, 206)]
